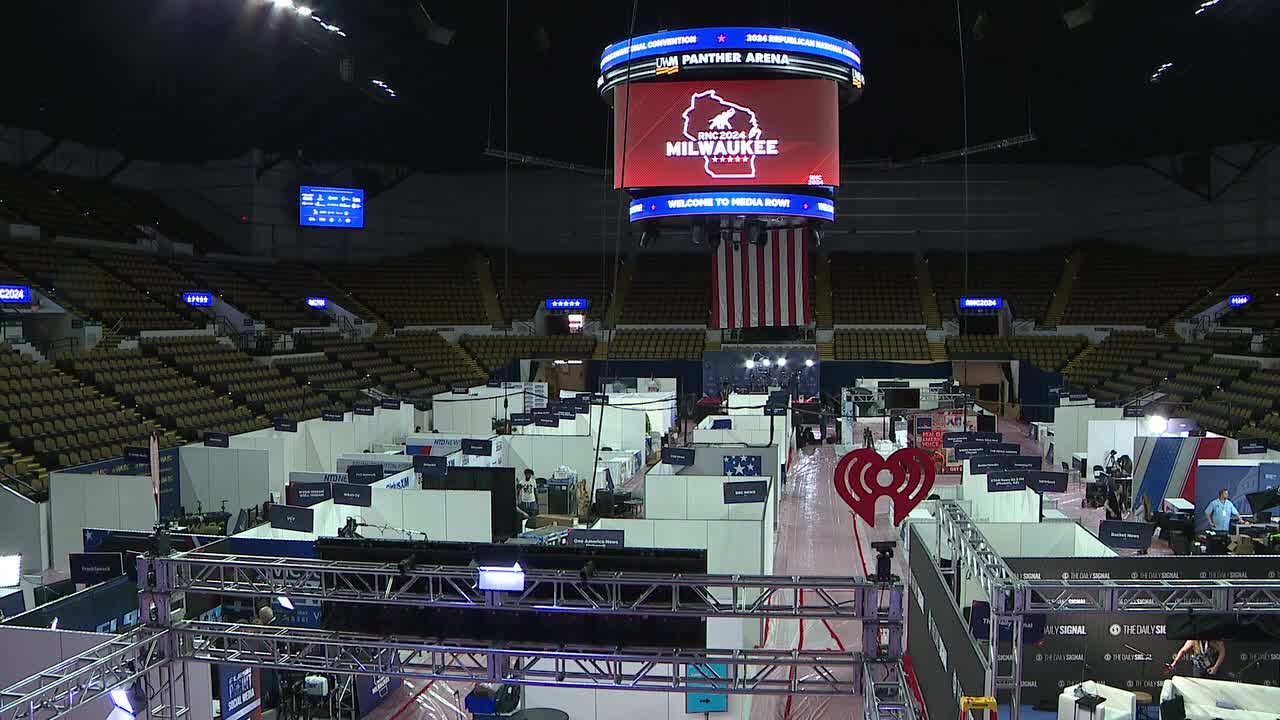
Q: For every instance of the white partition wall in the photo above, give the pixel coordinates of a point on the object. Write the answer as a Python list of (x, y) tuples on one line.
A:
[(473, 412), (438, 515), (1071, 428), (1107, 435), (239, 477), (1018, 506), (123, 502), (24, 530)]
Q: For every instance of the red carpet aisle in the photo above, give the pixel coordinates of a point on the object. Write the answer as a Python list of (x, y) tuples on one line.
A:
[(817, 536)]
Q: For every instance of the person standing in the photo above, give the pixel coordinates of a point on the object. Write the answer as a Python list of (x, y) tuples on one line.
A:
[(1207, 656), (527, 495), (1220, 512)]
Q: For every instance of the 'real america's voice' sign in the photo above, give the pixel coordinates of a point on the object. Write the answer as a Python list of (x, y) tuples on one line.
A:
[(727, 132)]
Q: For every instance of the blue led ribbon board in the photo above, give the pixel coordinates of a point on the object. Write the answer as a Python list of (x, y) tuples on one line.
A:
[(330, 207), (1239, 300), (981, 303), (566, 303), (197, 298), (816, 207), (719, 39), (18, 294)]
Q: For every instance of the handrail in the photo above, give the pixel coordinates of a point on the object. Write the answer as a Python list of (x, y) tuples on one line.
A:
[(30, 488)]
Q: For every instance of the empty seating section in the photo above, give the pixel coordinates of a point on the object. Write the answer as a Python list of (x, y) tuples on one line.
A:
[(162, 392), (37, 204), (49, 416), (1026, 280), (68, 275), (657, 345), (495, 352), (156, 213), (293, 284), (1126, 364), (1262, 386), (377, 370), (97, 201), (439, 289), (872, 289), (256, 385), (1258, 277), (668, 290), (1119, 285), (1047, 352), (153, 276), (1116, 354), (876, 344), (324, 375), (531, 279), (433, 357), (255, 300)]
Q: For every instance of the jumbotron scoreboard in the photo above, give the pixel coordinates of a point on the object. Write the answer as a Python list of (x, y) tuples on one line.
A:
[(733, 122)]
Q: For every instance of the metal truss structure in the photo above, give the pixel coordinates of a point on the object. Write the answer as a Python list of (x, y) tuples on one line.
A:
[(1012, 597), (140, 657), (160, 649), (720, 596)]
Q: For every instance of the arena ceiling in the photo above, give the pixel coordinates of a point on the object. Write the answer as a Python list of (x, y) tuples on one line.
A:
[(196, 80)]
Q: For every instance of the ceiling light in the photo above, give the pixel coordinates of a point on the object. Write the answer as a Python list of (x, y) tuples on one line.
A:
[(303, 10), (808, 362), (1157, 424), (283, 3)]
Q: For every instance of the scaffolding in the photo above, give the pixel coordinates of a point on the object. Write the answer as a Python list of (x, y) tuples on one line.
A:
[(1012, 598), (158, 651)]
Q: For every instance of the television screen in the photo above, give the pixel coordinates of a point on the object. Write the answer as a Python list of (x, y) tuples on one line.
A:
[(902, 399), (331, 207), (727, 132)]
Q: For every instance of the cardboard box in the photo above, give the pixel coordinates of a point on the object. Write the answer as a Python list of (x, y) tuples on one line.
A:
[(545, 520)]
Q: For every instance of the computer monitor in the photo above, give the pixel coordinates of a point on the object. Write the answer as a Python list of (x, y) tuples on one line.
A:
[(1263, 500)]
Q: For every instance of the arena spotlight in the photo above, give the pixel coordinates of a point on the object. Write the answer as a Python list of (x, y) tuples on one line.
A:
[(649, 234), (816, 231), (303, 10), (283, 4)]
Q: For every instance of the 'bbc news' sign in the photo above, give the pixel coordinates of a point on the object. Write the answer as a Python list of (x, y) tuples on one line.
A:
[(16, 294), (748, 491)]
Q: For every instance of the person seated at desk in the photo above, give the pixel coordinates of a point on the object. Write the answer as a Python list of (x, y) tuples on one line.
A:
[(1220, 511), (1109, 465)]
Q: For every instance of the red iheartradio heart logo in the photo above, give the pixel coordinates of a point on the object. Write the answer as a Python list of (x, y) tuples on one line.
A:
[(912, 472)]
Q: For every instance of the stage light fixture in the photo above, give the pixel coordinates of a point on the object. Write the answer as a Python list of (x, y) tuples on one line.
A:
[(808, 362), (782, 362), (748, 365), (285, 602), (817, 232), (1157, 423), (649, 235)]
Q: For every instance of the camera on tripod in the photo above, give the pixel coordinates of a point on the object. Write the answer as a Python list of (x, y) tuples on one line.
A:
[(884, 561)]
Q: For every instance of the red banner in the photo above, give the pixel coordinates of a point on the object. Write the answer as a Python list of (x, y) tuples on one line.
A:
[(727, 132)]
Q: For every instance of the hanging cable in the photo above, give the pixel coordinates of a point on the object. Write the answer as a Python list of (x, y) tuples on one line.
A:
[(506, 163), (964, 164), (617, 239)]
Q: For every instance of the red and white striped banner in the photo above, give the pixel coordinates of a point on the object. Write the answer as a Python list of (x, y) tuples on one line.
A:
[(761, 286)]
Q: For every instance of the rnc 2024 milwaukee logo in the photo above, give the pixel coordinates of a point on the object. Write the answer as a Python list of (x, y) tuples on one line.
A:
[(726, 135)]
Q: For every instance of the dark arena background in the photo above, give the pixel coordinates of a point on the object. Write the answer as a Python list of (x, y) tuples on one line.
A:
[(640, 360)]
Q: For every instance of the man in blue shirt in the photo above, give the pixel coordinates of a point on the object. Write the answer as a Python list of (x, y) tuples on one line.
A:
[(1220, 512)]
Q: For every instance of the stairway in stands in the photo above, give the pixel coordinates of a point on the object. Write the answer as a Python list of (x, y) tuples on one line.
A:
[(928, 297), (826, 350), (822, 294), (1084, 354), (489, 292), (1062, 296), (602, 350)]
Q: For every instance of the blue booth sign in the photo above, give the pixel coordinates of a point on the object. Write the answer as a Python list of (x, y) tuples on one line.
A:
[(566, 303), (15, 294)]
